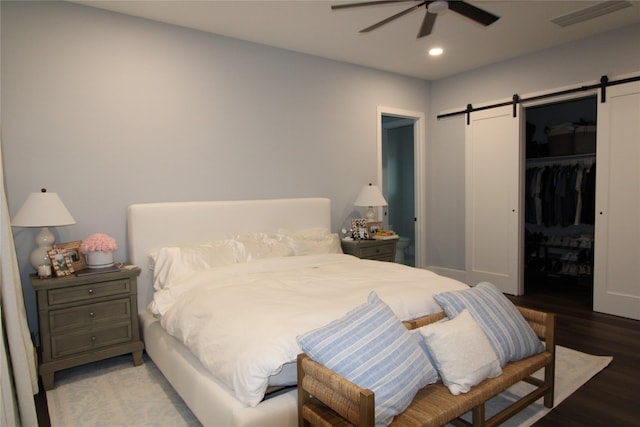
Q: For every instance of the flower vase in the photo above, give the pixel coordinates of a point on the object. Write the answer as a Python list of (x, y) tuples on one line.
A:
[(99, 259)]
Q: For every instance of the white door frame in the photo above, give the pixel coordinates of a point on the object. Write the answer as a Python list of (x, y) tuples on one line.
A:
[(419, 174)]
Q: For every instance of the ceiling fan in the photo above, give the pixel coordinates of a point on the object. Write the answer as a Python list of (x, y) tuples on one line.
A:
[(433, 8)]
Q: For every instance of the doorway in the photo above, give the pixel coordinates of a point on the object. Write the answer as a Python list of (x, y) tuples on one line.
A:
[(398, 160), (560, 198)]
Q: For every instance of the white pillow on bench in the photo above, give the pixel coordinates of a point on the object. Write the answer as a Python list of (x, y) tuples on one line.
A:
[(461, 351)]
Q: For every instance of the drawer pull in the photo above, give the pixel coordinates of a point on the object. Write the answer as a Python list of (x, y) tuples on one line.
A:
[(90, 291), (92, 314), (93, 338)]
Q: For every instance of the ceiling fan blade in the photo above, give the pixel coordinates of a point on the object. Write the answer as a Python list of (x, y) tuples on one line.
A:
[(366, 3), (475, 13), (391, 18), (427, 24)]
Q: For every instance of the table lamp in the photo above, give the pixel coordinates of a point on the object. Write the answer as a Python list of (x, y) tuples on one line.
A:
[(42, 210), (370, 196)]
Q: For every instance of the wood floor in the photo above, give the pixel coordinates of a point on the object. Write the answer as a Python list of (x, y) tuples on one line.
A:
[(611, 398)]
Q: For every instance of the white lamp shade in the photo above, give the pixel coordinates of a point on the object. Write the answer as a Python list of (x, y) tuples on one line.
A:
[(42, 210), (370, 195)]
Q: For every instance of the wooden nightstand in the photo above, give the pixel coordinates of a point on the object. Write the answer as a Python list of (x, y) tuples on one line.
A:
[(85, 319), (381, 250)]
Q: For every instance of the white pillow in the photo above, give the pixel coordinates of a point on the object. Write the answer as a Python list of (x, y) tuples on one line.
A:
[(461, 352), (171, 263), (312, 241), (261, 245)]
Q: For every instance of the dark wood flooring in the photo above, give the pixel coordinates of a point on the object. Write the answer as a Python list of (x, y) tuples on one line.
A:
[(41, 408), (611, 398)]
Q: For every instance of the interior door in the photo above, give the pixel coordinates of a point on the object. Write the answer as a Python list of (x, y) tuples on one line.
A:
[(617, 226), (493, 163)]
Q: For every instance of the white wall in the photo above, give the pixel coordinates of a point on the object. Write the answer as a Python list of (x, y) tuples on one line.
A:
[(109, 110), (612, 54)]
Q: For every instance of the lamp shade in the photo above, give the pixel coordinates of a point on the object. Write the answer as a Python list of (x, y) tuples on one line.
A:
[(42, 210), (370, 195)]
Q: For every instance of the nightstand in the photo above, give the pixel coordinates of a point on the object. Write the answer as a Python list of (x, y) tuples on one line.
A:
[(380, 250), (85, 319)]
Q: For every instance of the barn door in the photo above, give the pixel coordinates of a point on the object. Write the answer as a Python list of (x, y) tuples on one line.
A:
[(616, 273), (493, 236)]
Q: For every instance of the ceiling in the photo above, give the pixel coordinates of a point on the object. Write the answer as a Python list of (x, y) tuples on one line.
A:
[(311, 27)]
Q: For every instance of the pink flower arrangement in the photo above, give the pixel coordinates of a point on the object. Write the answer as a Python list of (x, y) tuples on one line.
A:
[(98, 242)]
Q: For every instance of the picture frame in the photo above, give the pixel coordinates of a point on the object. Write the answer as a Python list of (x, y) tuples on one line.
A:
[(60, 262), (359, 230), (374, 227), (75, 255)]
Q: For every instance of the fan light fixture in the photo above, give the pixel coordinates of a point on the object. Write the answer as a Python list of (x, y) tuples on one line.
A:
[(460, 7), (437, 6)]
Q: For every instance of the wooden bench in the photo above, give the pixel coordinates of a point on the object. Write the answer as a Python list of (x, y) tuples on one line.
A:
[(327, 399)]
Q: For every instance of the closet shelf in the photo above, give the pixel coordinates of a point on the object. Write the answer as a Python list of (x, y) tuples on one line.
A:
[(550, 160)]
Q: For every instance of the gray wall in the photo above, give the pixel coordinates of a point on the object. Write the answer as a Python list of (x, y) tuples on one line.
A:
[(109, 110), (612, 54)]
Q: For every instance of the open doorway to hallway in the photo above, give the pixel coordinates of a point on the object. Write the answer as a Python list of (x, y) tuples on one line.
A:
[(398, 183)]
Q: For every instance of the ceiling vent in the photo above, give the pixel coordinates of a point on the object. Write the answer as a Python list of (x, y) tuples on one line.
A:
[(590, 13)]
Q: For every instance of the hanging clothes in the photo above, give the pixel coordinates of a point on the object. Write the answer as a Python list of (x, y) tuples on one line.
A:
[(560, 195)]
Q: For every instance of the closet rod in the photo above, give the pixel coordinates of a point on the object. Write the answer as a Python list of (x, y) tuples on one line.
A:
[(604, 83)]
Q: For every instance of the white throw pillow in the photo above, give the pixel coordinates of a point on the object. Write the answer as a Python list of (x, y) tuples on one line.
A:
[(312, 241), (461, 352), (261, 245), (171, 263)]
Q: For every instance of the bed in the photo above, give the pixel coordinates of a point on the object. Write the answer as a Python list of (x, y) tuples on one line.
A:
[(154, 226)]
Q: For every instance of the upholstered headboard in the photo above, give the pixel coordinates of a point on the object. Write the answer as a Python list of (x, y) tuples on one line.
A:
[(152, 226)]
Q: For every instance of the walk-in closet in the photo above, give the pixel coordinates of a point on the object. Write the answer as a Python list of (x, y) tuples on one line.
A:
[(568, 235), (559, 196)]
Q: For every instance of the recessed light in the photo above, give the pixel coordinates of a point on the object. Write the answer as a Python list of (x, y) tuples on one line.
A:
[(436, 51)]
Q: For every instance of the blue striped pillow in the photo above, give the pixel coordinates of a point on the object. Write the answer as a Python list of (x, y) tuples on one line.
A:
[(509, 334), (372, 348)]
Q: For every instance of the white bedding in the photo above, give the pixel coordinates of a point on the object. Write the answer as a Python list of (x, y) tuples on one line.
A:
[(241, 321)]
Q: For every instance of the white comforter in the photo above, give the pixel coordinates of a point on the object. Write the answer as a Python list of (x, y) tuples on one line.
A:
[(242, 321)]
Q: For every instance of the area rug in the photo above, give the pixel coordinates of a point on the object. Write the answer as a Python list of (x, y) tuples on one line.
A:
[(573, 369), (115, 393)]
